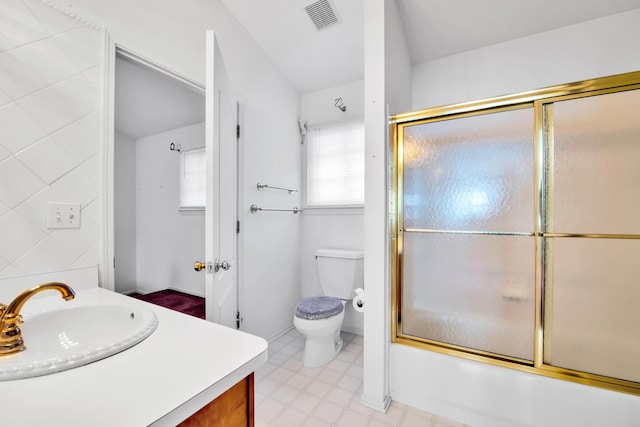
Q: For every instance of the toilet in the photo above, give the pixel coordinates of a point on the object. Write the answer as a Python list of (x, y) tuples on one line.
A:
[(319, 318)]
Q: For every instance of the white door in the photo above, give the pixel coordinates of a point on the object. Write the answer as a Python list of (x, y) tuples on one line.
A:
[(221, 199)]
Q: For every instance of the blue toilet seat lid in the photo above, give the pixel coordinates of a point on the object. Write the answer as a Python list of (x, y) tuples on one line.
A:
[(319, 307)]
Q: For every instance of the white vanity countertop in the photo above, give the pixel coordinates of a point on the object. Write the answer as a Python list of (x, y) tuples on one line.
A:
[(183, 365)]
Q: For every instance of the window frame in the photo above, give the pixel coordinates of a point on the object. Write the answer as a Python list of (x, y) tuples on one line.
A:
[(355, 207), (190, 208)]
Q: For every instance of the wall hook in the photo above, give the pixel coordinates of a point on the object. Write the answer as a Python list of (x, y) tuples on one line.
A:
[(339, 105), (303, 130), (174, 147)]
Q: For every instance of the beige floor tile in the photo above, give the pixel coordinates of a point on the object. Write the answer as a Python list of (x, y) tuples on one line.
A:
[(287, 394)]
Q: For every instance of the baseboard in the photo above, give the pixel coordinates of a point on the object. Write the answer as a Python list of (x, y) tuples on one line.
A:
[(353, 330), (143, 291), (172, 288), (280, 333), (188, 292), (381, 406)]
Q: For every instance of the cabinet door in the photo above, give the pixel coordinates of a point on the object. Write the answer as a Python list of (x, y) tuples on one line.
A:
[(234, 408)]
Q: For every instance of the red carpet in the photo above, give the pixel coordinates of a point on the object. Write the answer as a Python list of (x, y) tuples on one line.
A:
[(175, 300)]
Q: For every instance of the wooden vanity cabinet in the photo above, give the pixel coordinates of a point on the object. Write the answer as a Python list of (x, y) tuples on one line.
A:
[(234, 408)]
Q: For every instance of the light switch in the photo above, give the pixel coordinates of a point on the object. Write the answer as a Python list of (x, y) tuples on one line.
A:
[(63, 215)]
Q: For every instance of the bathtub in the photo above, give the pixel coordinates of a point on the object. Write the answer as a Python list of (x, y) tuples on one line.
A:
[(607, 355)]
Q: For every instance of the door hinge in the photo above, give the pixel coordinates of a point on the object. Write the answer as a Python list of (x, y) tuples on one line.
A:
[(237, 227), (238, 320), (237, 131), (114, 262)]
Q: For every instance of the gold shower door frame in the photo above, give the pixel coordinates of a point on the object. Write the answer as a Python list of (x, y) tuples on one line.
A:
[(539, 101)]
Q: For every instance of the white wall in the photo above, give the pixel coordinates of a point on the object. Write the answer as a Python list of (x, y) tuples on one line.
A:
[(331, 228), (318, 107), (79, 279), (168, 241), (397, 85), (475, 393), (125, 213), (171, 34), (597, 48), (270, 241), (50, 110), (387, 65)]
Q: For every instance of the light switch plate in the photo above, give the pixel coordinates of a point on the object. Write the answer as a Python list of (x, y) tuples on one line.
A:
[(63, 215)]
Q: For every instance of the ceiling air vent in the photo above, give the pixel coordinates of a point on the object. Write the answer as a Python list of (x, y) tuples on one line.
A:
[(322, 14)]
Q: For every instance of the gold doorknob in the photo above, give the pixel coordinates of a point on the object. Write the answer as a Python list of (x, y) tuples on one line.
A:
[(199, 265)]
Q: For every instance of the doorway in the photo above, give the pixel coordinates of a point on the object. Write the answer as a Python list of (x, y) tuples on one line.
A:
[(159, 118)]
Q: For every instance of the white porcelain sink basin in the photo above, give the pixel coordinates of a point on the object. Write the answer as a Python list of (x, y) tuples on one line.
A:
[(67, 338)]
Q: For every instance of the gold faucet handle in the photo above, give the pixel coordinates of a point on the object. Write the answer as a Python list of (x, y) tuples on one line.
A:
[(12, 319), (10, 334)]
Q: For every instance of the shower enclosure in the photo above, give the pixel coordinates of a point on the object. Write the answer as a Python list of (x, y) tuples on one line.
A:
[(516, 235)]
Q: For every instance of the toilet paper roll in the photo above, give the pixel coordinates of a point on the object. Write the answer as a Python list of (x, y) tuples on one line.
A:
[(358, 301)]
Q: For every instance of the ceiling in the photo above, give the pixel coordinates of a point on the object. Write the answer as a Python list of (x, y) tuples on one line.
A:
[(148, 102), (314, 59)]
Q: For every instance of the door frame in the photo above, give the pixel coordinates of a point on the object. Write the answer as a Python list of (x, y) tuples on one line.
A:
[(240, 104), (221, 139), (106, 273)]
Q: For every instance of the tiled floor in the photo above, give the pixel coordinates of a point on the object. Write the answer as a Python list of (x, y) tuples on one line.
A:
[(288, 395)]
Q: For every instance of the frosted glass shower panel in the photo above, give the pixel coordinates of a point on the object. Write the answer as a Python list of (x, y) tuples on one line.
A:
[(596, 182), (474, 291), (516, 234), (591, 312), (471, 173)]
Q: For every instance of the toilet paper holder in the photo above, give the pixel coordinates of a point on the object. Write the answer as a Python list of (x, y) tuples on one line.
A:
[(358, 301)]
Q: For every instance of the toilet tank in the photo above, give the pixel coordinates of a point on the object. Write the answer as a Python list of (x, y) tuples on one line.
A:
[(341, 271)]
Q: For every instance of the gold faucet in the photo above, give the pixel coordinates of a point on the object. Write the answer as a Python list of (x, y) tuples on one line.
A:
[(10, 318)]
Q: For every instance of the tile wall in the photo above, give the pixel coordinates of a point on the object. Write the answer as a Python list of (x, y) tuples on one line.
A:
[(50, 131)]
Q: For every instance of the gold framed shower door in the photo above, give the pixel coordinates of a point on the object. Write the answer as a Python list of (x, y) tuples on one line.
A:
[(542, 231)]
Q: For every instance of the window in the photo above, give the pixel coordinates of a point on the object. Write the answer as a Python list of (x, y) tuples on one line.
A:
[(192, 180), (335, 165)]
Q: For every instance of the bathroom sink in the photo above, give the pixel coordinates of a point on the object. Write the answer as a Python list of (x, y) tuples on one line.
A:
[(67, 338)]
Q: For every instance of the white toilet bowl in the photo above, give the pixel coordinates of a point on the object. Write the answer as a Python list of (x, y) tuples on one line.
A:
[(323, 341), (319, 318)]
